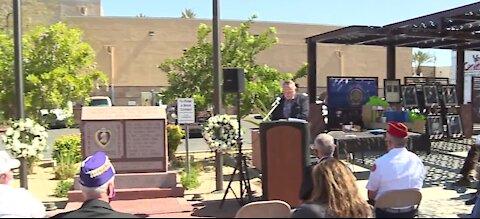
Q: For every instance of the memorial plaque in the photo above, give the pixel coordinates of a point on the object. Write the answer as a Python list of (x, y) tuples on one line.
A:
[(103, 136), (133, 137), (145, 139), (139, 166)]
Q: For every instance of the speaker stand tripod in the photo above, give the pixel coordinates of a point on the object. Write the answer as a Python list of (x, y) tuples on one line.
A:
[(241, 166)]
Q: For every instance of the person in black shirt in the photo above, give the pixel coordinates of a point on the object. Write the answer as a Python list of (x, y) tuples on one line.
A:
[(323, 147), (292, 104)]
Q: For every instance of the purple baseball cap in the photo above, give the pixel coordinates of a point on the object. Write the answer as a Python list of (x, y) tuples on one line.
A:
[(96, 170)]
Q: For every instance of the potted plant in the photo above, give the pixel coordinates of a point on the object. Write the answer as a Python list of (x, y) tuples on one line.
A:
[(372, 111), (417, 122)]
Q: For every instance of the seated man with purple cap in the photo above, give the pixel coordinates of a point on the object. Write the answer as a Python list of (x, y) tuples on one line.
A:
[(96, 178), (398, 169), (15, 203)]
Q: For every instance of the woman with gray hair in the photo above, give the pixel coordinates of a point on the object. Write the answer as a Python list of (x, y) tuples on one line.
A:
[(323, 147)]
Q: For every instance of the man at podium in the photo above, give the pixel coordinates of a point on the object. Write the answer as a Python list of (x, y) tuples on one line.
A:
[(291, 104)]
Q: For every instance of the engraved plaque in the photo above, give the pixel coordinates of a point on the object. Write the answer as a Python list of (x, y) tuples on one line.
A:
[(143, 166), (103, 136), (145, 138)]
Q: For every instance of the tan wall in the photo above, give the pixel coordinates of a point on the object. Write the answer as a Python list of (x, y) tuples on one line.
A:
[(77, 8), (45, 12), (137, 54), (431, 71)]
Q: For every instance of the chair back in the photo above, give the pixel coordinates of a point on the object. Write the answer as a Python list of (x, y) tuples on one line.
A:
[(265, 209), (399, 198)]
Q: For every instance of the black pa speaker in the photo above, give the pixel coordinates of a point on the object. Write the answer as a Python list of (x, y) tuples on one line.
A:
[(233, 80)]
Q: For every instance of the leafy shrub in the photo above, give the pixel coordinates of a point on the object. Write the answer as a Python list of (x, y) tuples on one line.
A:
[(66, 168), (68, 146), (190, 181), (62, 188), (175, 135)]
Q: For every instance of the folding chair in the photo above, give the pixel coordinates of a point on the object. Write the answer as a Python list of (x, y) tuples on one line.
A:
[(399, 199), (265, 209)]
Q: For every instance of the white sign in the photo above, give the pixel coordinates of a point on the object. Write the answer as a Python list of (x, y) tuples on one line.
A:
[(472, 68), (185, 111)]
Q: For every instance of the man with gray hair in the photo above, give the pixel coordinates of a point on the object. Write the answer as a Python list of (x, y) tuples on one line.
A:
[(291, 104), (323, 148), (97, 183)]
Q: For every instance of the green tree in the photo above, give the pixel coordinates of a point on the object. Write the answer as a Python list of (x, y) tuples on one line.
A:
[(419, 59), (188, 14), (58, 66), (191, 75)]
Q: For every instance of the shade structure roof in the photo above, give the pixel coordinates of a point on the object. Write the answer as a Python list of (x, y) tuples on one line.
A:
[(450, 29)]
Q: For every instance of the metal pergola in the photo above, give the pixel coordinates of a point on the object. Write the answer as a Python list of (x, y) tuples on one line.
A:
[(456, 29)]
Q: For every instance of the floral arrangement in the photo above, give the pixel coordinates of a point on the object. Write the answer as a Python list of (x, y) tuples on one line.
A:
[(32, 145), (220, 132), (415, 116), (377, 101)]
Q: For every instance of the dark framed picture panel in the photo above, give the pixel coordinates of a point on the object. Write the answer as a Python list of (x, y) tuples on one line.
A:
[(438, 81), (435, 126), (430, 94), (409, 96), (475, 99), (414, 80), (417, 81), (454, 124), (391, 90), (449, 93)]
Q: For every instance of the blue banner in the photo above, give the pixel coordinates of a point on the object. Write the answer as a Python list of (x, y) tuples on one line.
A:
[(350, 93)]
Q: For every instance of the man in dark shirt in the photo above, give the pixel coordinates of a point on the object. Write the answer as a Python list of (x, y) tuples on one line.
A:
[(97, 181), (323, 147), (292, 104)]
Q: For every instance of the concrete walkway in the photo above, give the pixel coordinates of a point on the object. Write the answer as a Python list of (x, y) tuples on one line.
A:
[(440, 198)]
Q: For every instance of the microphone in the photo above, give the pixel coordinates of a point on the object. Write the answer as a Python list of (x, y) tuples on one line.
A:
[(273, 107), (277, 101)]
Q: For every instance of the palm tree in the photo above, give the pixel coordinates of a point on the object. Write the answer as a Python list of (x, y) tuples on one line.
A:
[(188, 14), (419, 59)]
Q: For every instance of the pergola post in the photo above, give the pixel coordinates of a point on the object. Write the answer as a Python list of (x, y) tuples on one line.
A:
[(391, 65), (460, 81), (312, 70)]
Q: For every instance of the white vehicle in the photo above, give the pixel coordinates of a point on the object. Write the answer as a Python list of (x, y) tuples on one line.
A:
[(101, 101), (56, 118)]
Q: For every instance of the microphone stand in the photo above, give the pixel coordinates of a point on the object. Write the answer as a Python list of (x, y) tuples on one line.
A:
[(275, 105)]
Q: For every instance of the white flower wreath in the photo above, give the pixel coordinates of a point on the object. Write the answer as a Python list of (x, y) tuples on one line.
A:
[(220, 132), (30, 147)]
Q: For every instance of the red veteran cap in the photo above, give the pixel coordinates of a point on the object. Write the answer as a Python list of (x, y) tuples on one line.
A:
[(397, 129)]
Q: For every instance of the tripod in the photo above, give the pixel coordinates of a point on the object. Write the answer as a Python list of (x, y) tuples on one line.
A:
[(241, 166)]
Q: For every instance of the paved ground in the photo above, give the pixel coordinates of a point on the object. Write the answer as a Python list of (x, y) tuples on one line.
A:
[(440, 198)]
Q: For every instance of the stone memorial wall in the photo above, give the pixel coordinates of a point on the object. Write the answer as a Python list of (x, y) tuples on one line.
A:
[(133, 137)]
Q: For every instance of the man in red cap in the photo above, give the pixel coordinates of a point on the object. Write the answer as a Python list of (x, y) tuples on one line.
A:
[(398, 169)]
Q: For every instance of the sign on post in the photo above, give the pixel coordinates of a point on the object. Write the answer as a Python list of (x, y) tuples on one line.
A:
[(186, 115), (185, 111)]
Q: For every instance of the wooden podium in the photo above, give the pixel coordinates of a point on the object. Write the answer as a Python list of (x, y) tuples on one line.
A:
[(285, 154)]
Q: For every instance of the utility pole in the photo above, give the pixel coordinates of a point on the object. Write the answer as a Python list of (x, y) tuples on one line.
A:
[(217, 87), (17, 33)]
